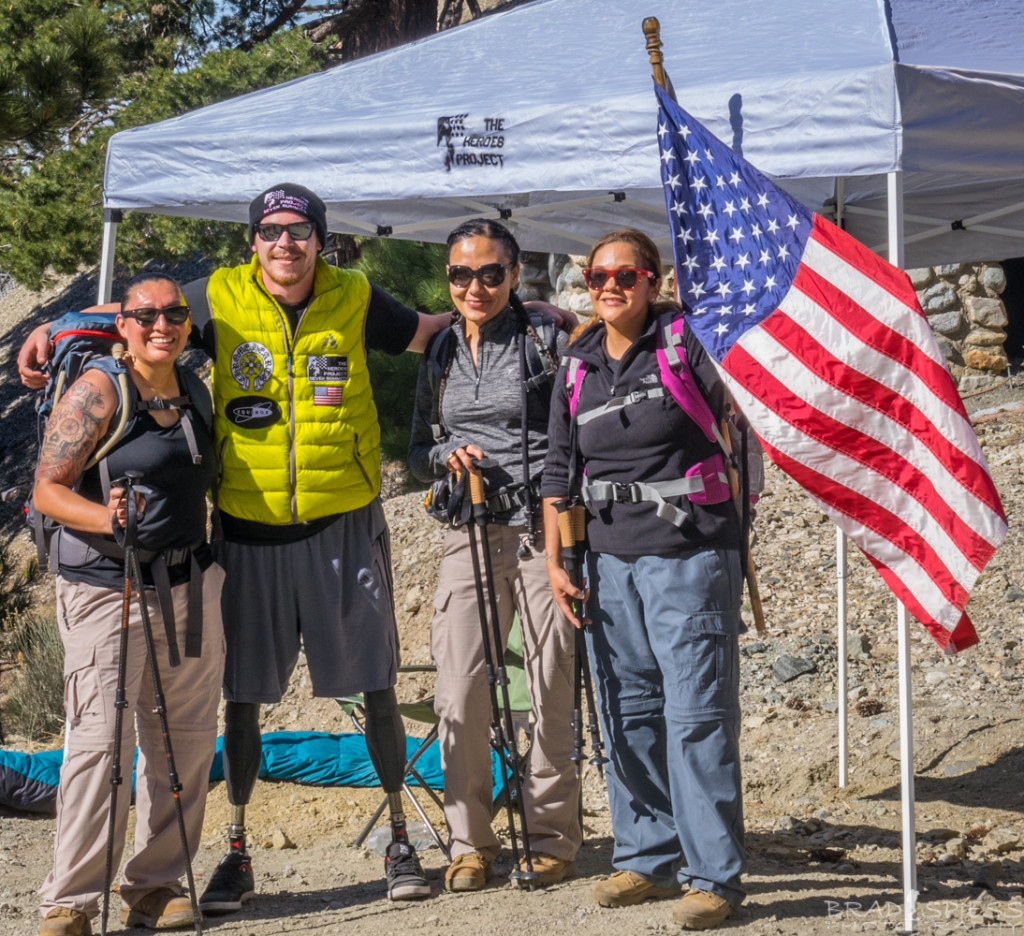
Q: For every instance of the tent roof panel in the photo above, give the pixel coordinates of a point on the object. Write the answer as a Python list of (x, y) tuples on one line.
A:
[(551, 103)]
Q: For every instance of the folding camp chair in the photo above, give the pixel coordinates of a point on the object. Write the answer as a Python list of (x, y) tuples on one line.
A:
[(421, 711), (519, 700)]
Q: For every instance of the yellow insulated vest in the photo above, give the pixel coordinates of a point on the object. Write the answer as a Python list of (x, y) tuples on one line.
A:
[(295, 420)]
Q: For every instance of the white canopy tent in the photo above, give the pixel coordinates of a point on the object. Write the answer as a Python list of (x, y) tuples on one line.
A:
[(878, 113), (545, 109)]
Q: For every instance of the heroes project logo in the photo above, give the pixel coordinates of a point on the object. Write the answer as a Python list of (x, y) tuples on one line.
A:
[(464, 146)]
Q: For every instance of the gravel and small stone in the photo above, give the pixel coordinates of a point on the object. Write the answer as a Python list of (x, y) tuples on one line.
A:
[(822, 858)]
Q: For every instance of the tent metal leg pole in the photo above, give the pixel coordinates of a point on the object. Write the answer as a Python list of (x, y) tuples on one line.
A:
[(894, 190), (842, 652), (111, 219), (910, 894)]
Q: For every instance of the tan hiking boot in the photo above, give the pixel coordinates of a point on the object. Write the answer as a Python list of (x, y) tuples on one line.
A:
[(624, 889), (469, 871), (65, 921), (548, 868), (700, 910), (160, 909)]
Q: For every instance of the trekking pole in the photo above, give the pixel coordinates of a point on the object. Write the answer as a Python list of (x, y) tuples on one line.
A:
[(741, 498), (504, 737), (160, 707), (572, 532), (568, 539), (120, 704)]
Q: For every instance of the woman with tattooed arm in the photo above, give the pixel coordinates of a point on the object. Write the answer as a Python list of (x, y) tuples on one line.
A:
[(177, 468)]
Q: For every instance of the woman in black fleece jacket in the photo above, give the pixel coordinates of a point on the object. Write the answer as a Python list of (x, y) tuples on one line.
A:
[(663, 608)]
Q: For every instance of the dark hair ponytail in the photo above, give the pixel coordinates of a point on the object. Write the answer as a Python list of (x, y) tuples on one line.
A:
[(483, 227)]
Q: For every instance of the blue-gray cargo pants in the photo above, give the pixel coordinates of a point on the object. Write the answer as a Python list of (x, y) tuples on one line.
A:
[(665, 655)]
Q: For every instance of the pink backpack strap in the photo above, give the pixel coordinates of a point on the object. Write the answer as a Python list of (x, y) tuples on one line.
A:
[(678, 379), (574, 373)]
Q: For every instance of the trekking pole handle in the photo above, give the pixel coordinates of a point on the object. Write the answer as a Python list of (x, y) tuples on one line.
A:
[(578, 513), (565, 526), (476, 488)]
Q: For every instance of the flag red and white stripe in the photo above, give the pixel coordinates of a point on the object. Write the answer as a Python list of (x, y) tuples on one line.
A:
[(826, 349)]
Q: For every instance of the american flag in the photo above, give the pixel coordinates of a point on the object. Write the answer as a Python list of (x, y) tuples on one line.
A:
[(826, 349), (327, 395)]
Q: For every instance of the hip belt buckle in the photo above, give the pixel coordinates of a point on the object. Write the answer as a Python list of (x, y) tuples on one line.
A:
[(175, 557), (625, 493)]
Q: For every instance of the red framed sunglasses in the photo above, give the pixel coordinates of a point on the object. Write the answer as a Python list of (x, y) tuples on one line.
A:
[(626, 277)]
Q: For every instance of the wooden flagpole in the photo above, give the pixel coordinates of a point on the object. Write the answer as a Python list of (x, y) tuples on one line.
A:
[(652, 32)]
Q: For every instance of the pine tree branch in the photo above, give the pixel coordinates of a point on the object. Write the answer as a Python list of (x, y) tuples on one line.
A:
[(287, 14), (92, 119), (451, 14), (334, 25), (88, 128)]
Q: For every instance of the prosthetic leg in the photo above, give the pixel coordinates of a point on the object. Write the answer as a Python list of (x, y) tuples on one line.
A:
[(385, 743), (233, 882)]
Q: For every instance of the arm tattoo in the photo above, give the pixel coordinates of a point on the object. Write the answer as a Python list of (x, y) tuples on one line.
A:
[(72, 433)]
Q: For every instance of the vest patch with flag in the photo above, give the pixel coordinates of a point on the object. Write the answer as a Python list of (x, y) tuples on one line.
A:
[(324, 368), (327, 395)]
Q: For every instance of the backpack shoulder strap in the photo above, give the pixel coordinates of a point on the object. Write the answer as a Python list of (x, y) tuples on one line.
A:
[(434, 356), (677, 377), (198, 394), (113, 366), (575, 371), (541, 355)]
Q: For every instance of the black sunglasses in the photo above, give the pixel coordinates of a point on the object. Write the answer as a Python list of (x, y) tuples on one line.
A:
[(175, 315), (297, 231), (490, 274), (626, 277)]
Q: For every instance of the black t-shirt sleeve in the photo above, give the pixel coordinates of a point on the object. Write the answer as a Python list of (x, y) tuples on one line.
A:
[(203, 335), (390, 325)]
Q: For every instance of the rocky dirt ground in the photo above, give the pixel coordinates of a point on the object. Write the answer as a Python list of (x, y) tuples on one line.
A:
[(822, 859)]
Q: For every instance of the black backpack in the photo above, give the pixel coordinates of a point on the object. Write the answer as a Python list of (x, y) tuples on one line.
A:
[(81, 341)]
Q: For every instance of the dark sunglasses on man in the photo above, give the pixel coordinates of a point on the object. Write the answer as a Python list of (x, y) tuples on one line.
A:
[(490, 274), (626, 277), (175, 315), (297, 231)]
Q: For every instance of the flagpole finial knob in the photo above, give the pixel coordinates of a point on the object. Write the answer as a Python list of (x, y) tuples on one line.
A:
[(652, 31)]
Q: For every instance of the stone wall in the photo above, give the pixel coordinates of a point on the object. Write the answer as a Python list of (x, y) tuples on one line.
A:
[(963, 307), (961, 301)]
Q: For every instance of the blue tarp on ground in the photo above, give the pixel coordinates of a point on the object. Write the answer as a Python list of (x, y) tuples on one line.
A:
[(28, 782)]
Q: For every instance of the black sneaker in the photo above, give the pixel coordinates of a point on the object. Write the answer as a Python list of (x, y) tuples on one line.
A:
[(230, 886), (405, 877)]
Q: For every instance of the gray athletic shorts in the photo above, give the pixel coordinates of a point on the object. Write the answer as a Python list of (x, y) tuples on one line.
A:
[(330, 594)]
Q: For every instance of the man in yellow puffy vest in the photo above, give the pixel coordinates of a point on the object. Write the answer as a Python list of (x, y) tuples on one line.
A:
[(305, 544)]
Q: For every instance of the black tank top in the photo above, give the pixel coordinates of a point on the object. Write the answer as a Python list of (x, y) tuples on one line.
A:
[(175, 512)]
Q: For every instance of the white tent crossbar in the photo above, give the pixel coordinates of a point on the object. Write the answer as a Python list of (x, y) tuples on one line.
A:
[(1001, 231), (521, 215), (551, 229), (939, 226), (350, 221)]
